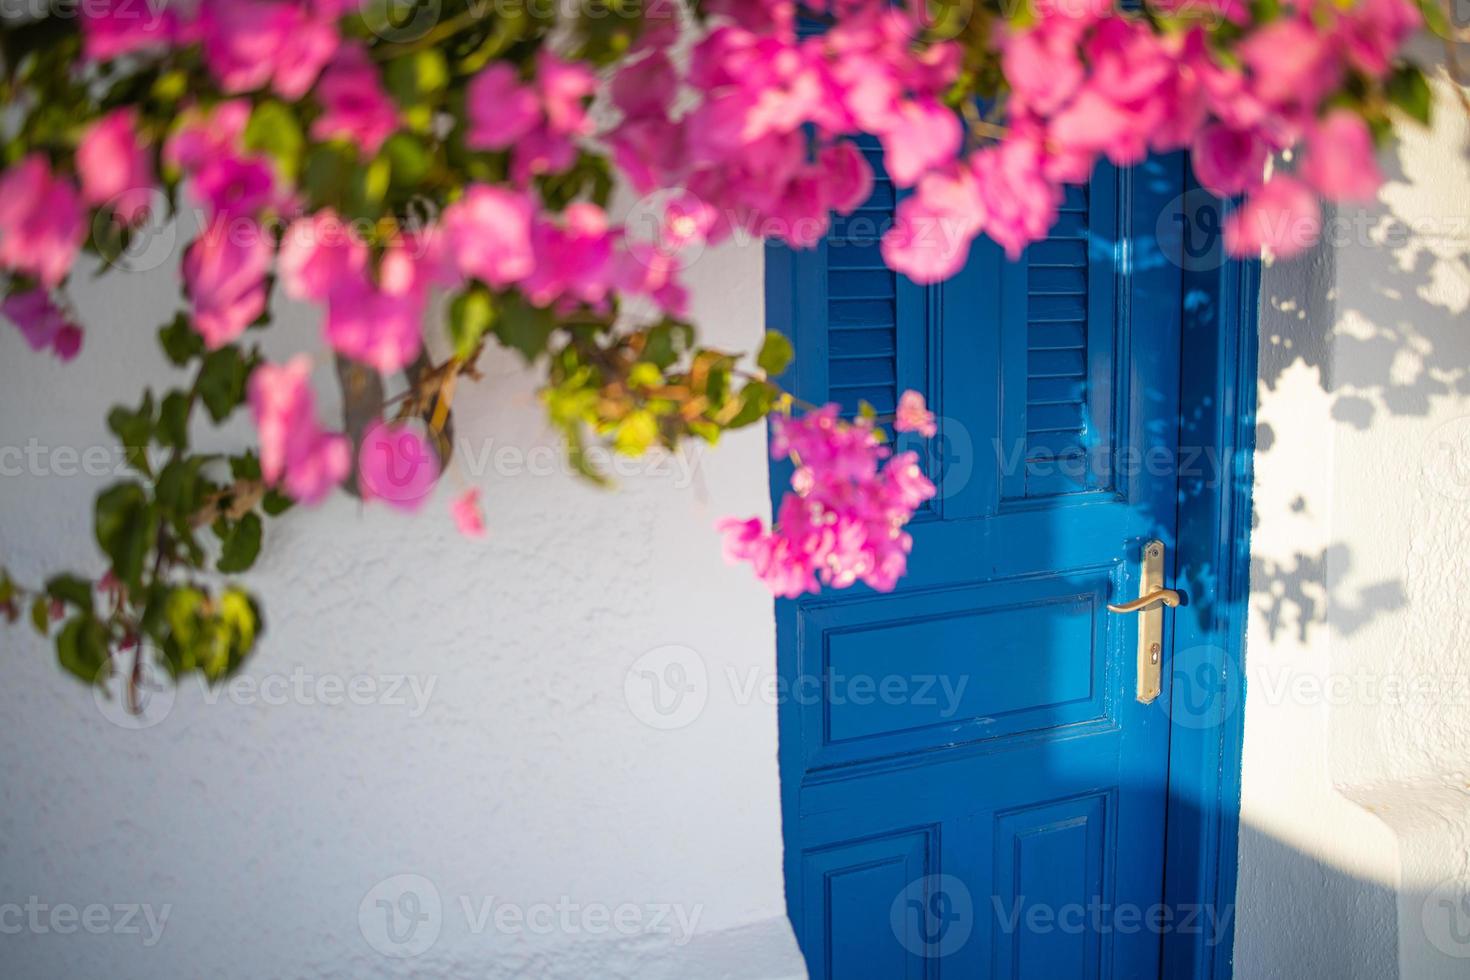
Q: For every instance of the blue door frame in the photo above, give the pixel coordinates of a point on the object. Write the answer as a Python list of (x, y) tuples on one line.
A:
[(1212, 562)]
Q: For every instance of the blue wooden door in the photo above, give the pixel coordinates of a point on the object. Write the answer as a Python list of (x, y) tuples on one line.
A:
[(970, 788)]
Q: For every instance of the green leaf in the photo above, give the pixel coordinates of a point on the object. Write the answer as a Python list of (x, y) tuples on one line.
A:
[(636, 433), (41, 615), (211, 637), (246, 466), (222, 379), (276, 503), (1409, 91), (525, 328), (417, 78), (644, 375), (180, 341), (125, 526), (171, 86), (408, 160), (367, 187), (756, 399), (239, 618), (1435, 18), (179, 489), (81, 648), (274, 130), (471, 314), (71, 589), (660, 345), (329, 167), (577, 455), (134, 429), (241, 545), (173, 420), (775, 354)]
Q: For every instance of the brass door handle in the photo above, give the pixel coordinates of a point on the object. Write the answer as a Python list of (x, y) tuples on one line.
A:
[(1167, 597), (1152, 597)]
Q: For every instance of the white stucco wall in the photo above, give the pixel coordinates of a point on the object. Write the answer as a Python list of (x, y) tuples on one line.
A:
[(1355, 841), (523, 783)]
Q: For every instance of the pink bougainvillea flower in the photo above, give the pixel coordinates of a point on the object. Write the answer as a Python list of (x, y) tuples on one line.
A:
[(295, 452), (842, 523), (111, 28), (114, 168), (573, 258), (1228, 161), (251, 43), (199, 136), (922, 136), (645, 87), (564, 87), (1372, 31), (1282, 216), (687, 220), (379, 320), (354, 105), (651, 270), (41, 221), (1018, 204), (397, 464), (1043, 64), (537, 121), (1339, 160), (846, 176), (488, 232), (234, 186), (316, 253), (224, 275), (539, 152), (649, 151), (933, 228), (468, 517), (498, 108), (914, 416), (43, 325), (1291, 63)]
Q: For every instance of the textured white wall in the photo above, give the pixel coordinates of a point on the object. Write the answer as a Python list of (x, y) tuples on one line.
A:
[(1355, 849), (521, 782)]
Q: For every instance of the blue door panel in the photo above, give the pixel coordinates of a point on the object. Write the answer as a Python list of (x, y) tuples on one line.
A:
[(954, 681), (855, 885), (969, 747), (1049, 871)]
